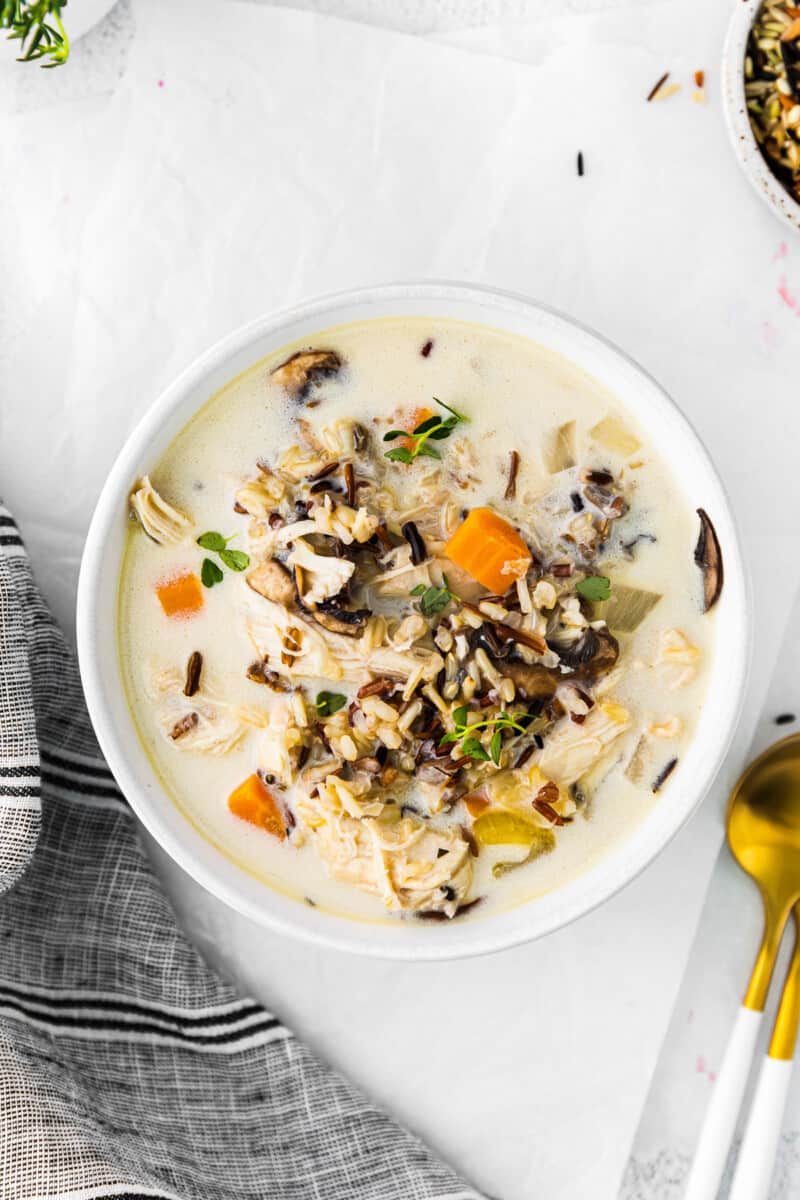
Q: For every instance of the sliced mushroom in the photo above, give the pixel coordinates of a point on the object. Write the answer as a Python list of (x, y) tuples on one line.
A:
[(594, 653), (348, 622), (708, 556), (273, 581), (304, 369), (533, 681)]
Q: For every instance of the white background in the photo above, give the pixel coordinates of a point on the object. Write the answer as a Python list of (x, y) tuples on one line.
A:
[(198, 164)]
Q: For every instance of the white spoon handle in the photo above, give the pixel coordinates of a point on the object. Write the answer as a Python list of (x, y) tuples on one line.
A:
[(760, 1142), (719, 1125)]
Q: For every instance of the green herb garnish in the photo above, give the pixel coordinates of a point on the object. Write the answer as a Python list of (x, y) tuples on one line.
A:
[(471, 746), (431, 429), (433, 599), (329, 703), (28, 22), (210, 573), (212, 541), (234, 560), (594, 587)]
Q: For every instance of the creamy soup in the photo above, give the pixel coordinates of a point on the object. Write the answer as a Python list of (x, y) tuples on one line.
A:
[(414, 620)]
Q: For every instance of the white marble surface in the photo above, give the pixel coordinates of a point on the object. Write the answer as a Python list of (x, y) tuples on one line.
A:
[(148, 221)]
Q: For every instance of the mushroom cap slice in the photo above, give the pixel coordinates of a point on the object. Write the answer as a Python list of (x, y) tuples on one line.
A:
[(273, 581), (535, 681), (594, 653), (348, 622), (708, 556), (305, 368)]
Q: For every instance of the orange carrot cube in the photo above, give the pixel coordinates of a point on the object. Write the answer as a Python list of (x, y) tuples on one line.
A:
[(254, 802), (181, 595), (490, 550)]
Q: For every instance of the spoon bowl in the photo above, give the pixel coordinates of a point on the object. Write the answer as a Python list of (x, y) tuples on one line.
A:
[(764, 823), (763, 827)]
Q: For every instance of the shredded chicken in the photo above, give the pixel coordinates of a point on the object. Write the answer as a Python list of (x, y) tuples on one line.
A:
[(570, 749), (200, 724), (324, 575), (677, 658), (410, 864), (160, 521), (281, 741)]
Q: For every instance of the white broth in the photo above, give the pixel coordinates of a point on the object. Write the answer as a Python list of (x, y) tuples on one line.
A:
[(334, 569)]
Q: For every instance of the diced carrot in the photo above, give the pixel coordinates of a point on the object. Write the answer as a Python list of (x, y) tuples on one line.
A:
[(475, 804), (254, 802), (410, 423), (490, 550), (180, 595)]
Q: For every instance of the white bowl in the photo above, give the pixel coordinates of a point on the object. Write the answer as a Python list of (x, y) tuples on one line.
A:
[(97, 616), (751, 160)]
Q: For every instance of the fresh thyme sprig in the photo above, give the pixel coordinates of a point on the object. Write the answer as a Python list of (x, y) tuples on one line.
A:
[(28, 23), (471, 746), (432, 428)]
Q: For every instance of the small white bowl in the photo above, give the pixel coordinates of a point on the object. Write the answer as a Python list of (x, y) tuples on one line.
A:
[(97, 618), (737, 119)]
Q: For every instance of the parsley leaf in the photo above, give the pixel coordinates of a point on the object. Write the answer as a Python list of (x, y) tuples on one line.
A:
[(329, 703), (594, 587)]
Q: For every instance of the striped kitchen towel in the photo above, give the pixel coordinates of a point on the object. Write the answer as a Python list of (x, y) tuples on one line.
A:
[(127, 1068)]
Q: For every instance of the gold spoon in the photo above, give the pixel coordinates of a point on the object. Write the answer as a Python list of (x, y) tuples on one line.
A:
[(763, 825)]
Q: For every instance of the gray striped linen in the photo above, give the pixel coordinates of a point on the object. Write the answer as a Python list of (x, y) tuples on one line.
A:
[(127, 1068)]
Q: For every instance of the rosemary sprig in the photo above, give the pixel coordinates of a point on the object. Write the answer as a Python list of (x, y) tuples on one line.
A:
[(431, 429), (471, 746), (36, 24)]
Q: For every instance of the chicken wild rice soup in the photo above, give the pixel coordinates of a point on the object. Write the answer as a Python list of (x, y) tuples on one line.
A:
[(414, 621)]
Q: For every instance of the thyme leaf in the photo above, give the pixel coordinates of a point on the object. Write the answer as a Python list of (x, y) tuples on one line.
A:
[(328, 703), (234, 560), (470, 745), (433, 599), (210, 573), (433, 428)]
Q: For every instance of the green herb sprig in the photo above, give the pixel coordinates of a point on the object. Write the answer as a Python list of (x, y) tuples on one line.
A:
[(465, 734), (431, 429), (328, 703), (235, 560), (433, 599), (36, 24), (594, 587)]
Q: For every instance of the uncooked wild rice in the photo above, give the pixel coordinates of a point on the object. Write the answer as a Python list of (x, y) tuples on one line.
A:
[(772, 89)]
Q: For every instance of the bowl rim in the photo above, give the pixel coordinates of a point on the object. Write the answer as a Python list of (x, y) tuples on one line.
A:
[(737, 120), (194, 853)]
